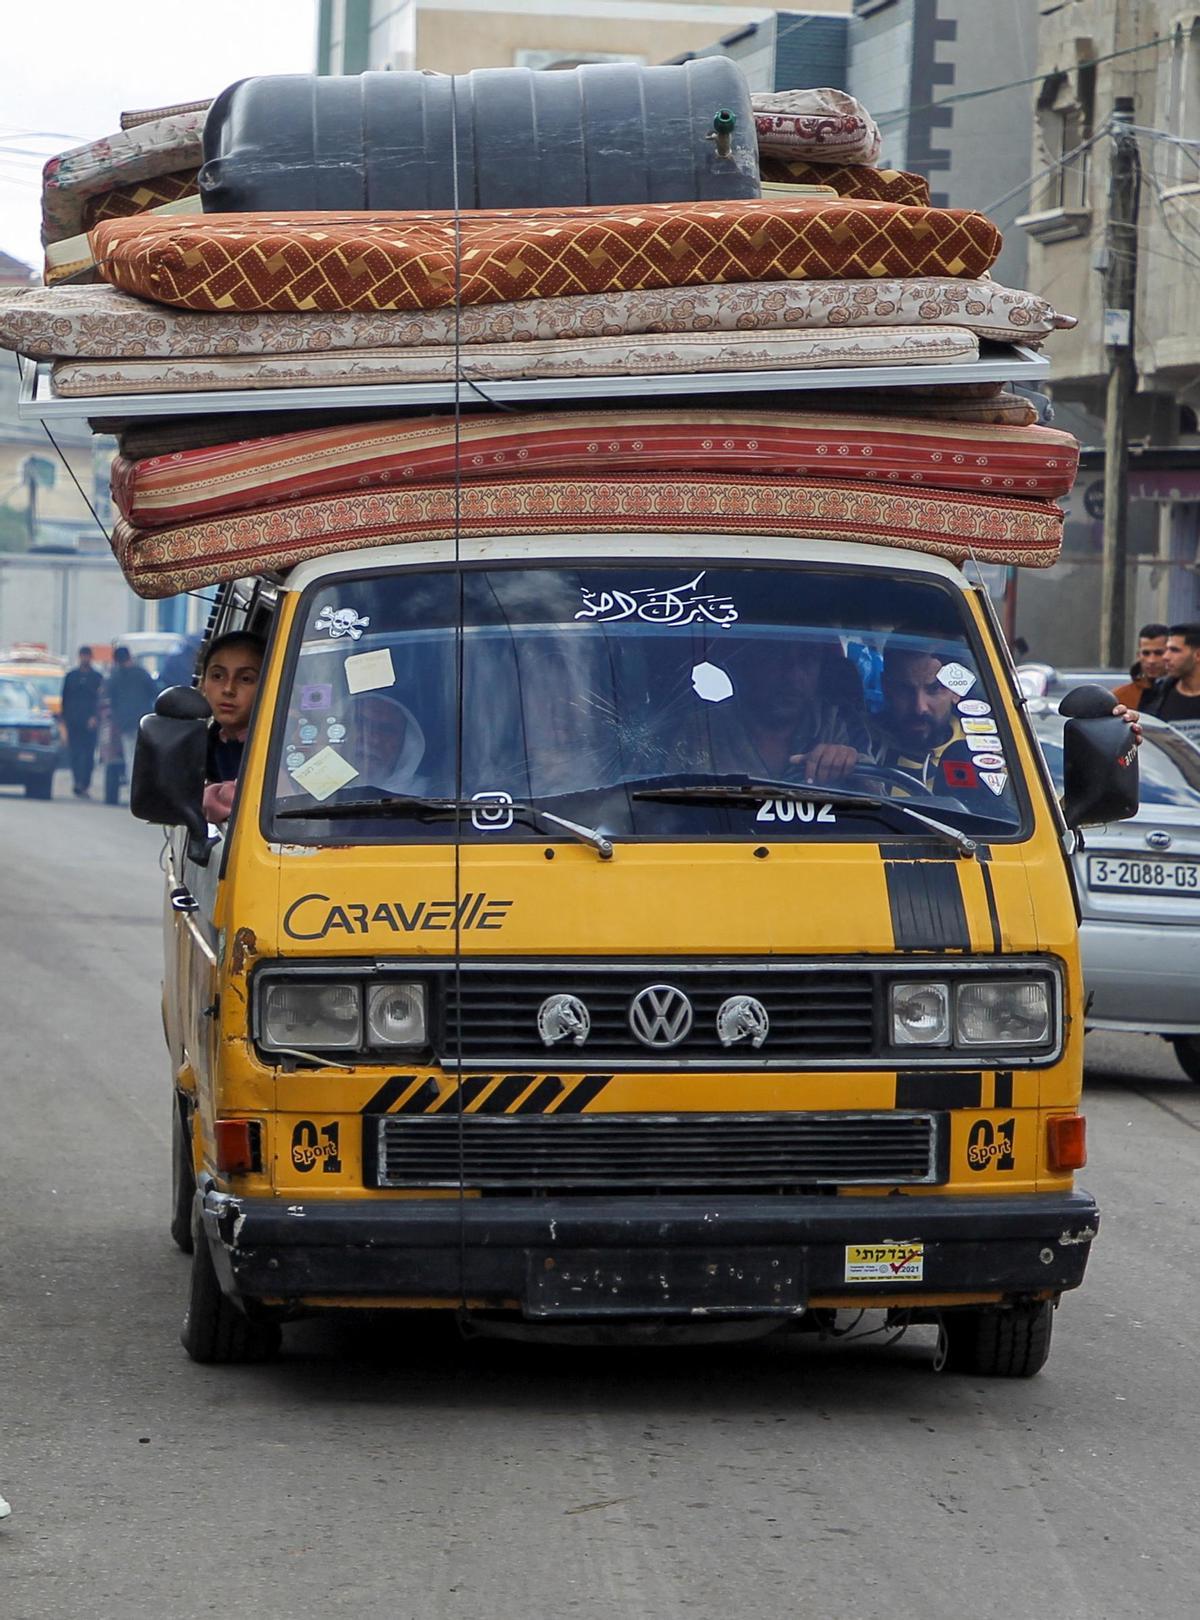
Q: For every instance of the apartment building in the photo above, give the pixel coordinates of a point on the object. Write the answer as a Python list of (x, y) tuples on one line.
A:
[(1090, 53), (454, 36)]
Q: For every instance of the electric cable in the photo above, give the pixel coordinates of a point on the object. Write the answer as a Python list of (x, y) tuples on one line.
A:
[(459, 706), (898, 114)]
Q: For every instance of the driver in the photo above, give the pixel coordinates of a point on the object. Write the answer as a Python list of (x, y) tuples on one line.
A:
[(785, 724)]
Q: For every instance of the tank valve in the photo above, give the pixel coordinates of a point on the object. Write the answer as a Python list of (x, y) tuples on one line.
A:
[(724, 124)]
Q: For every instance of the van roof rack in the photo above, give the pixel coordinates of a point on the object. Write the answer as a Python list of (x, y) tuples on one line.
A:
[(998, 363)]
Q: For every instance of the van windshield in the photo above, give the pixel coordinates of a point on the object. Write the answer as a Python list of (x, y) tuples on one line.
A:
[(629, 697)]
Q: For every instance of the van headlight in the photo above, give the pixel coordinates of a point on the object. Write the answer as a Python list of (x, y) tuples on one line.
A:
[(306, 1016), (921, 1013), (340, 1015), (1002, 1012), (965, 1013), (395, 1015)]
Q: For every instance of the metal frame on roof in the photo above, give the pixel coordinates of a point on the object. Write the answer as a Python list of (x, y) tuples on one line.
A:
[(1001, 363)]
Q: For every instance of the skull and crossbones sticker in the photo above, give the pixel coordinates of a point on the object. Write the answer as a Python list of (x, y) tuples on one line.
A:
[(341, 622)]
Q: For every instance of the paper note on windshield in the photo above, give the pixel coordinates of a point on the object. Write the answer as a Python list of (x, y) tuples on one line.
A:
[(324, 773), (368, 672), (710, 682)]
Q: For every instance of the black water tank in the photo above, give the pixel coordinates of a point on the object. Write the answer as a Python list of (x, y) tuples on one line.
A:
[(606, 132)]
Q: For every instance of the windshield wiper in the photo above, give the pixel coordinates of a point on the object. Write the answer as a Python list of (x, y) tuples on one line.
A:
[(748, 790), (418, 805)]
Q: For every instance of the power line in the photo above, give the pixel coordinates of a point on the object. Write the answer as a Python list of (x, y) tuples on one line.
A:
[(1015, 84)]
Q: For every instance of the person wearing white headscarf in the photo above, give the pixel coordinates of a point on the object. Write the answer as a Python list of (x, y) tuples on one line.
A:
[(384, 742)]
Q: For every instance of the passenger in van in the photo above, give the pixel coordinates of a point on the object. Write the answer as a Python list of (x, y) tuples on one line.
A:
[(229, 676), (794, 715), (385, 742), (918, 721)]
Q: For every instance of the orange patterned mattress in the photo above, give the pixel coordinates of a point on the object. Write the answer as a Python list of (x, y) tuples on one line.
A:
[(256, 473), (406, 261), (849, 179), (990, 528)]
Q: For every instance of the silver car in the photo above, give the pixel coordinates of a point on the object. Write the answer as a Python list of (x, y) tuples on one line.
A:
[(1139, 894)]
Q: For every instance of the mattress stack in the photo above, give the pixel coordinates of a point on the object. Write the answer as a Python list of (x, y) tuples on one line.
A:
[(864, 273)]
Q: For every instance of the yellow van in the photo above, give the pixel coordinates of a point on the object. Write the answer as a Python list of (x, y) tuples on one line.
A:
[(629, 929)]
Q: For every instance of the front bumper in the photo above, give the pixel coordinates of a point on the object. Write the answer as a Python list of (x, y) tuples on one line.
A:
[(612, 1257), (1141, 979)]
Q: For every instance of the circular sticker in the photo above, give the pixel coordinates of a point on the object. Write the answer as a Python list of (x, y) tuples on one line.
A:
[(308, 732), (989, 762), (294, 759), (974, 706), (335, 733)]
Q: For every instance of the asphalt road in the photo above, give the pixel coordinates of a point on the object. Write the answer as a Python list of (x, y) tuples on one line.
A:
[(378, 1475)]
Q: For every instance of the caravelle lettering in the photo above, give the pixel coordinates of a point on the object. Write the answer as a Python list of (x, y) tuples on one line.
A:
[(304, 918)]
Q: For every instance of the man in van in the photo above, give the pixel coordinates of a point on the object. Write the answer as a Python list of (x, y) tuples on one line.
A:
[(1176, 698), (919, 720)]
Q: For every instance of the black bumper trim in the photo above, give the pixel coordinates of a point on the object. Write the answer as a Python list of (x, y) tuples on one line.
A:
[(398, 1248)]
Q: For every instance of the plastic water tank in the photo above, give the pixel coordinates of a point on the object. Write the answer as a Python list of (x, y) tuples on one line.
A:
[(602, 133)]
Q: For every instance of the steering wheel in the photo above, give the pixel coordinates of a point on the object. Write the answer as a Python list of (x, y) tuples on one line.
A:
[(905, 779)]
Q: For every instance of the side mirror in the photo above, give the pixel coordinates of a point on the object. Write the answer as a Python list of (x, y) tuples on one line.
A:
[(167, 787), (182, 703), (1100, 771), (1090, 702)]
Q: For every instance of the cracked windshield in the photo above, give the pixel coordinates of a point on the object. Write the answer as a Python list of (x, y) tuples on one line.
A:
[(661, 701)]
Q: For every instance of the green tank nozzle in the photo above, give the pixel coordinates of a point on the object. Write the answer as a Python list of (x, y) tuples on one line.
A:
[(724, 124)]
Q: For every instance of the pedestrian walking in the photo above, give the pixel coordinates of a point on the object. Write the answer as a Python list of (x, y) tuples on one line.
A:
[(131, 694), (1149, 666), (1176, 698), (81, 691)]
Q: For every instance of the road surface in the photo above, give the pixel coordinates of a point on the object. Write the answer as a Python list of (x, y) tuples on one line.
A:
[(370, 1474)]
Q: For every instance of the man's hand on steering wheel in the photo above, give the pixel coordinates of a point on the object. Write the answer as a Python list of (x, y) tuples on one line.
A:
[(828, 762)]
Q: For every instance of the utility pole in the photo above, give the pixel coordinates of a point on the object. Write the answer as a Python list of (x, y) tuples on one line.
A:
[(1120, 293)]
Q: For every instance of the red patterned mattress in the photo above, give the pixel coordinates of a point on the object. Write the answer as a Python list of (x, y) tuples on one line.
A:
[(329, 261), (255, 473), (990, 528)]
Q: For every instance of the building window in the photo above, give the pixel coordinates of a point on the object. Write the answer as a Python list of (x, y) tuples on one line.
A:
[(1065, 117), (1180, 164)]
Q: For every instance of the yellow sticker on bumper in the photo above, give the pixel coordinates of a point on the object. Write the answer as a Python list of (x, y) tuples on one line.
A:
[(885, 1262)]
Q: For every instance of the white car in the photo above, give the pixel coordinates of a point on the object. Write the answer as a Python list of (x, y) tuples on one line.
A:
[(1139, 895)]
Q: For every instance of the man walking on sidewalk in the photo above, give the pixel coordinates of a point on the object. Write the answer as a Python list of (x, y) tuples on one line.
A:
[(131, 694), (81, 715)]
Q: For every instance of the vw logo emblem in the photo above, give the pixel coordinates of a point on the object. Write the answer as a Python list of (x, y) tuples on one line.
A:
[(660, 1015), (563, 1018), (1158, 839)]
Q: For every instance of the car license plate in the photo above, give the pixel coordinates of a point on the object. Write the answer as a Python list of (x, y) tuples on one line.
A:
[(646, 1282), (25, 758), (1143, 874)]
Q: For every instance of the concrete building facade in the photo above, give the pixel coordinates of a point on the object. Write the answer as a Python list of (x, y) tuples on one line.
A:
[(1090, 52)]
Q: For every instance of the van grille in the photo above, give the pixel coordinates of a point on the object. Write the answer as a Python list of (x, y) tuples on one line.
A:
[(641, 1152), (814, 1015)]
